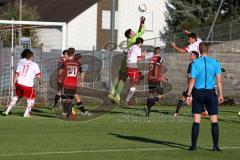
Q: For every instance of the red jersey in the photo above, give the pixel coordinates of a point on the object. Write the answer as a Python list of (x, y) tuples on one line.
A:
[(59, 64), (155, 66), (71, 68)]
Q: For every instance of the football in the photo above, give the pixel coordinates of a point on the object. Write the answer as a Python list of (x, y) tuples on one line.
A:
[(142, 7)]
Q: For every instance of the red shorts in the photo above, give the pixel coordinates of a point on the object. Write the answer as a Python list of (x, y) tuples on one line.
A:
[(134, 75), (25, 91), (70, 82)]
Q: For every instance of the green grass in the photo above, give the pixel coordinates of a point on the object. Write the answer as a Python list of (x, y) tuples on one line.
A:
[(121, 134)]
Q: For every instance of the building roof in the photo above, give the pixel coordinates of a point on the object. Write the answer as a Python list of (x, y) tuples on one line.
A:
[(59, 10)]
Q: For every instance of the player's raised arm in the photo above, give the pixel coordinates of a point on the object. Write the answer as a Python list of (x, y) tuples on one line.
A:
[(181, 50), (141, 29)]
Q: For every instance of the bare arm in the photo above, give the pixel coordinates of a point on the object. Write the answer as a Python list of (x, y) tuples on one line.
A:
[(181, 50), (40, 81), (82, 76), (186, 31), (189, 92), (219, 84)]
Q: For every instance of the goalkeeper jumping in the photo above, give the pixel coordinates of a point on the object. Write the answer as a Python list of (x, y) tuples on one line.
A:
[(118, 83)]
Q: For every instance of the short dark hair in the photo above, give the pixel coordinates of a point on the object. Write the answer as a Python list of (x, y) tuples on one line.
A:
[(64, 52), (77, 56), (25, 52), (157, 50), (127, 33), (139, 40), (71, 51), (196, 54), (29, 54), (192, 35), (203, 47)]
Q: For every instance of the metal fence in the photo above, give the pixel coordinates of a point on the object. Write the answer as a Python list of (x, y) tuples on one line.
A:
[(103, 65)]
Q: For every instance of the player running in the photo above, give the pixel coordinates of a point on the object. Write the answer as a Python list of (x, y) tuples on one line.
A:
[(24, 81), (118, 83), (155, 80), (193, 43), (134, 56), (70, 69), (60, 78)]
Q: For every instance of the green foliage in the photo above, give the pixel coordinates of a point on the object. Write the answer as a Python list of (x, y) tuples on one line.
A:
[(193, 14), (28, 14)]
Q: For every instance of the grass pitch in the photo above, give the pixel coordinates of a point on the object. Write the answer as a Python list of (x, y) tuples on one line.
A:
[(120, 134)]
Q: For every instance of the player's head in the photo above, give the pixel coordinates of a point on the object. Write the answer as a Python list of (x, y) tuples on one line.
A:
[(157, 50), (78, 57), (192, 38), (71, 52), (139, 41), (129, 33), (64, 53), (29, 55), (203, 47), (24, 53), (194, 55)]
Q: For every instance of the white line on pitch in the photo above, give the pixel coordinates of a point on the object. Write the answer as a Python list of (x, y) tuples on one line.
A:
[(98, 151)]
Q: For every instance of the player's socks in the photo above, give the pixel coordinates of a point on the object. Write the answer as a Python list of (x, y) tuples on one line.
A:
[(10, 106), (195, 131), (215, 134), (57, 98), (130, 94), (30, 103), (80, 106), (179, 105)]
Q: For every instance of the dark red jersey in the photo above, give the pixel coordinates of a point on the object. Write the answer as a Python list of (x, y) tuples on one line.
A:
[(59, 64), (71, 68), (155, 66)]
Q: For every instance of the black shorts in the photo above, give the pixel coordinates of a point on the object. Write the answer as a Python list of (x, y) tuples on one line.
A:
[(204, 98), (69, 93), (155, 87)]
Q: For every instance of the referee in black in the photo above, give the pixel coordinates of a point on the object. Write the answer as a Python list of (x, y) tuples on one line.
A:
[(204, 72)]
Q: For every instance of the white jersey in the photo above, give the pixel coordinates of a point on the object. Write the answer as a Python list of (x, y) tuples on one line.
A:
[(21, 61), (194, 46), (132, 56), (26, 73)]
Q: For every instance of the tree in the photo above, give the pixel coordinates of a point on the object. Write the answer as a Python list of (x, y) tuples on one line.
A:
[(28, 14), (192, 14), (197, 16)]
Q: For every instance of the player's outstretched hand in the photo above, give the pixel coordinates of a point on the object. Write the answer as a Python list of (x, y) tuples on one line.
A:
[(189, 101), (220, 100)]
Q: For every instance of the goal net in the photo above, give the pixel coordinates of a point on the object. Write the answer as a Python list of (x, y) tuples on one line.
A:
[(45, 39)]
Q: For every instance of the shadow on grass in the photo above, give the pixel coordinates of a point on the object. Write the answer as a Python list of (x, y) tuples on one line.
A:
[(148, 140)]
